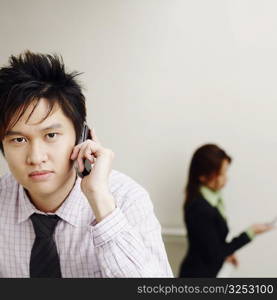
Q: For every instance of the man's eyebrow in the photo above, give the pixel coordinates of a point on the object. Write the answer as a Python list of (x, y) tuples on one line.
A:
[(10, 132), (53, 126)]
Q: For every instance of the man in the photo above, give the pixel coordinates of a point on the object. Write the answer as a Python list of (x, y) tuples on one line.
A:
[(54, 223)]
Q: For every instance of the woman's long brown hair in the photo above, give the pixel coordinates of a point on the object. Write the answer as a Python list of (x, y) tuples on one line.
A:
[(206, 161)]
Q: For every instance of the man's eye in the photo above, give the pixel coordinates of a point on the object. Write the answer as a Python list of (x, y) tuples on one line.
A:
[(18, 140), (52, 135)]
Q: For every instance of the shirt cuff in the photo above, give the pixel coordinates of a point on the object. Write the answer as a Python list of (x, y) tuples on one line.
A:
[(109, 227), (251, 234)]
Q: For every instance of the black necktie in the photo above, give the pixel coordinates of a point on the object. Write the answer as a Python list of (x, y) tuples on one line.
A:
[(44, 256)]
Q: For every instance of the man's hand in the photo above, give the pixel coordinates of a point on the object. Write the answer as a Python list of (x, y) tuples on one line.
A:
[(95, 185), (232, 259)]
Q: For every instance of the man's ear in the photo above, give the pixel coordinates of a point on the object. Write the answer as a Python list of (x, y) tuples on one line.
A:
[(2, 149)]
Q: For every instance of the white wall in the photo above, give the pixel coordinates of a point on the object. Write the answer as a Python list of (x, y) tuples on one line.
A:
[(163, 77)]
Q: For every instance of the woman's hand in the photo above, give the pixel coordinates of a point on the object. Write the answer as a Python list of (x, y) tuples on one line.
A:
[(232, 259), (261, 228)]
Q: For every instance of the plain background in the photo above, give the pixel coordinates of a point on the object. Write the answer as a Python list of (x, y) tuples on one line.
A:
[(163, 77)]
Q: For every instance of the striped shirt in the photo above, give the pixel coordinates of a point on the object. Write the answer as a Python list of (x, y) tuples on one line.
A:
[(127, 243)]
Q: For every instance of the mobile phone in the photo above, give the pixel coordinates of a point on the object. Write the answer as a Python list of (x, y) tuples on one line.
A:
[(84, 136)]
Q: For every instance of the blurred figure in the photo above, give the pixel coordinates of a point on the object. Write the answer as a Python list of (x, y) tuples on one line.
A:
[(205, 217)]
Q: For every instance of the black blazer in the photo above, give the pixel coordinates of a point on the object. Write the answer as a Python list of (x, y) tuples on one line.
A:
[(207, 231)]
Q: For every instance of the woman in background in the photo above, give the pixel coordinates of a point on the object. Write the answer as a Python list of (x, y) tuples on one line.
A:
[(205, 216)]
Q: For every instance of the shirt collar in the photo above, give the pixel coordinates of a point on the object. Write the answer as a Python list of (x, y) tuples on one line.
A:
[(70, 210), (213, 197)]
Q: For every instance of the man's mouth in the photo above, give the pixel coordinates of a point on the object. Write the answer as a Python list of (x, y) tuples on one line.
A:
[(37, 173), (41, 175)]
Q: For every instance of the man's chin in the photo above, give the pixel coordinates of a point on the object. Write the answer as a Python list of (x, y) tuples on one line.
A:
[(41, 188), (47, 185)]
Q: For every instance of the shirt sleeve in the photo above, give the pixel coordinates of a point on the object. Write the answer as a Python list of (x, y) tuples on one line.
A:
[(250, 233), (216, 250), (128, 242)]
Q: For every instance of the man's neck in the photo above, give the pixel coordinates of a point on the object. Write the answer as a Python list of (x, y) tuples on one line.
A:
[(51, 202)]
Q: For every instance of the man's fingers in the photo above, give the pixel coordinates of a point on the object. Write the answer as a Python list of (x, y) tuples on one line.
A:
[(94, 136), (80, 163), (86, 152), (75, 151), (90, 150)]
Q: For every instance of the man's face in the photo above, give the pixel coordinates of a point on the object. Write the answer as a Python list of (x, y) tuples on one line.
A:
[(41, 147)]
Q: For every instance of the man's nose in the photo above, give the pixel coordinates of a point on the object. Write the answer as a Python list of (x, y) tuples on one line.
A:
[(36, 154)]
